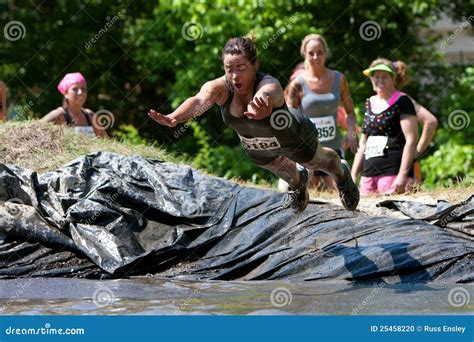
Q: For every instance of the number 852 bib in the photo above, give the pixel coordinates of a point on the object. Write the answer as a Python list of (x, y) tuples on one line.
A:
[(326, 127)]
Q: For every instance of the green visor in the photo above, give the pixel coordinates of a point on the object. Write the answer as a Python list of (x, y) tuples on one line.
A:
[(378, 67)]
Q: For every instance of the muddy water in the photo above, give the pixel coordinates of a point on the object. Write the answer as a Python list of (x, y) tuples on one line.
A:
[(148, 296)]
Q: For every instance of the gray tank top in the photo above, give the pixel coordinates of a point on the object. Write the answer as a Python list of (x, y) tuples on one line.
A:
[(322, 110)]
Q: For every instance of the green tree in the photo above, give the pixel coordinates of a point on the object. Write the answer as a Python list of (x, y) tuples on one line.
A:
[(138, 55)]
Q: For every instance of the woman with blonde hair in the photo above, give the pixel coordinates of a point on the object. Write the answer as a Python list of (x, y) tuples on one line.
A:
[(320, 93)]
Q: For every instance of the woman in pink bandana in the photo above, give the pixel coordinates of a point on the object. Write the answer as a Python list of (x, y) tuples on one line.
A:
[(3, 101), (74, 89)]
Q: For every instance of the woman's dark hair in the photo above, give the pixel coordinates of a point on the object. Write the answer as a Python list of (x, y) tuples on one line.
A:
[(241, 45)]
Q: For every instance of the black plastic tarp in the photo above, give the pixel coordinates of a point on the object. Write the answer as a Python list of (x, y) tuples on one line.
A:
[(110, 215), (458, 217)]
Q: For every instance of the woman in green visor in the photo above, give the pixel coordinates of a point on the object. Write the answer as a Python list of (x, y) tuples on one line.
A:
[(389, 133)]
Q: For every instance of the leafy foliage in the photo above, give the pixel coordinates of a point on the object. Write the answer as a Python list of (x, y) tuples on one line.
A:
[(453, 147), (139, 55), (450, 164)]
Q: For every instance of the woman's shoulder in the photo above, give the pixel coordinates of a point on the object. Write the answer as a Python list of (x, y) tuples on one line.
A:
[(405, 105), (90, 115), (267, 78), (88, 111), (218, 88), (341, 75), (217, 82), (404, 99), (332, 74), (57, 112), (54, 115)]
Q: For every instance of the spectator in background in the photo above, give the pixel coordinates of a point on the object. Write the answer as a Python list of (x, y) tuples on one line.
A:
[(389, 133), (423, 116), (73, 87), (323, 95)]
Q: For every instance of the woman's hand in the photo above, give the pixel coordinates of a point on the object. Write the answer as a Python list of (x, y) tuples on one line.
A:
[(164, 120), (259, 108), (351, 141), (399, 184)]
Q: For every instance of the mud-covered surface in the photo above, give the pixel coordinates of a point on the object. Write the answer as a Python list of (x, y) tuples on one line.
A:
[(155, 296)]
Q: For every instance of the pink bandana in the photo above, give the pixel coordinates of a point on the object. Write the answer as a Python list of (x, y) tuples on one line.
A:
[(70, 79)]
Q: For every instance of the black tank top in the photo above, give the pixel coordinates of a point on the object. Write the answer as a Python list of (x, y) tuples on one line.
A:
[(291, 129), (68, 117)]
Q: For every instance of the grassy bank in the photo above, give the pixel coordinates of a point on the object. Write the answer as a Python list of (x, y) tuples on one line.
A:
[(46, 147)]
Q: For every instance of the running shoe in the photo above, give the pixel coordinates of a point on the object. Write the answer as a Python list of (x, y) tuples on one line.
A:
[(298, 198), (348, 191)]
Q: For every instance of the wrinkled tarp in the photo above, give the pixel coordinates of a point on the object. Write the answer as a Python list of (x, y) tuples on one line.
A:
[(109, 215), (459, 217)]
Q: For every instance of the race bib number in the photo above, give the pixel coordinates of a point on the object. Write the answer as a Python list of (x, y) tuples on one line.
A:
[(260, 143), (375, 146), (326, 127)]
